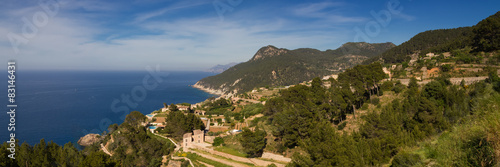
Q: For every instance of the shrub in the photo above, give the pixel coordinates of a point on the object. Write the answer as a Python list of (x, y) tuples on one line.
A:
[(375, 101), (398, 87), (218, 141), (386, 86), (342, 125), (364, 107), (406, 159), (445, 68), (479, 152)]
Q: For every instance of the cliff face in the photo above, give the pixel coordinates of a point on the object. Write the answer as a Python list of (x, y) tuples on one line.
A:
[(272, 66), (89, 139)]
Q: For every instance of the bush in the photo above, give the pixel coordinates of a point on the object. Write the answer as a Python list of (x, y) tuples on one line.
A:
[(398, 87), (375, 101), (252, 109), (445, 68), (272, 165), (364, 107), (386, 86), (342, 125), (405, 159), (218, 141), (479, 152)]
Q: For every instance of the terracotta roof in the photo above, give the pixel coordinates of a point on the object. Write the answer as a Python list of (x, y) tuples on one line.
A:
[(160, 119)]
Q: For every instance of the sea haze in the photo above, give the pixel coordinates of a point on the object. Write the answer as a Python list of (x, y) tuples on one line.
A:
[(63, 106)]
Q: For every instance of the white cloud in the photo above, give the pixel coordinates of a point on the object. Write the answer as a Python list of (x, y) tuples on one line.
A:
[(184, 44), (325, 11), (177, 6), (404, 16)]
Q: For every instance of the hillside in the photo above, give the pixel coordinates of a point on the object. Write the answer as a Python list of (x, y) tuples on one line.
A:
[(272, 66), (425, 42), (484, 36)]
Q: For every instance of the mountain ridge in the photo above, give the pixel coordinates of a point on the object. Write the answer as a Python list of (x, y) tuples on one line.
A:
[(273, 66)]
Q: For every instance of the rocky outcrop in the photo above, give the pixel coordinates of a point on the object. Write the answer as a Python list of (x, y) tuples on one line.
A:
[(200, 86), (89, 139)]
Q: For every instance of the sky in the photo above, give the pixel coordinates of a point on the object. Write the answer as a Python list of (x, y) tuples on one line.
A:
[(192, 35)]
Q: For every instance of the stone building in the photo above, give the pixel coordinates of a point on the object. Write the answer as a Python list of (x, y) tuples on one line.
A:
[(188, 139), (199, 136)]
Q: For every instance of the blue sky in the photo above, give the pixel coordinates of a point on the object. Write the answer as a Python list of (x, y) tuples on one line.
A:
[(198, 34)]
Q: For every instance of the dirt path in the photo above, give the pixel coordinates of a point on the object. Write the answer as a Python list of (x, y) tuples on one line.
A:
[(105, 150), (177, 158), (256, 162), (219, 160), (208, 165)]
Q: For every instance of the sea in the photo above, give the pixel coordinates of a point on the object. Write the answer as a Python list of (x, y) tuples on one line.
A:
[(62, 106)]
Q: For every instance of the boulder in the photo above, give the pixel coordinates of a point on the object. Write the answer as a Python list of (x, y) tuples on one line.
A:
[(89, 139)]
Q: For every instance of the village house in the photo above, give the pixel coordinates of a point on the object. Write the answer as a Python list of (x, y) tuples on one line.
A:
[(183, 108), (159, 121), (196, 137)]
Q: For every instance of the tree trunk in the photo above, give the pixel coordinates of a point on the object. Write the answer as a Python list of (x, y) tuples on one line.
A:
[(354, 111), (370, 91)]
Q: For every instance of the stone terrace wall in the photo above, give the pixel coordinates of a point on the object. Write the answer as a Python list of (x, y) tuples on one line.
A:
[(276, 157)]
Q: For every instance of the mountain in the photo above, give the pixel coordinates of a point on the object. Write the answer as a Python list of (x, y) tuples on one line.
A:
[(425, 42), (272, 66), (221, 68), (485, 36)]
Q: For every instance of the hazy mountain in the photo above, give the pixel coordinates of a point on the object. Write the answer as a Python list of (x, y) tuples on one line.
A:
[(220, 68)]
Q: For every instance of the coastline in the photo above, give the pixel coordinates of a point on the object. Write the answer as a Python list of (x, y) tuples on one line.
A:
[(219, 93)]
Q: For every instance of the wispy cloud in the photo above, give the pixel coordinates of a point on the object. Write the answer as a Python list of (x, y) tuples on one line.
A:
[(325, 11), (177, 6), (405, 16), (81, 37)]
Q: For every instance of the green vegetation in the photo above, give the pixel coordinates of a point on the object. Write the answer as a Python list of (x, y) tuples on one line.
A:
[(253, 143), (420, 113), (173, 107), (218, 141), (196, 157), (231, 151), (217, 107), (471, 143), (136, 146), (252, 109), (482, 37), (488, 34), (179, 123), (131, 147), (280, 67), (441, 40), (135, 118)]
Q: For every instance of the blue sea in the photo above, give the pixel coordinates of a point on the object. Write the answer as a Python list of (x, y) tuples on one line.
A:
[(63, 106)]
